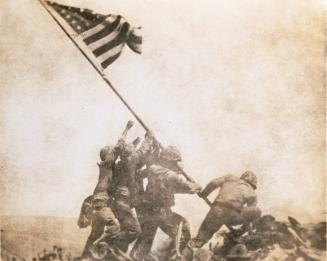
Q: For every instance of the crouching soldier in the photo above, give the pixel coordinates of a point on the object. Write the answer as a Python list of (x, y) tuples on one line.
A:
[(164, 180), (103, 221), (235, 204)]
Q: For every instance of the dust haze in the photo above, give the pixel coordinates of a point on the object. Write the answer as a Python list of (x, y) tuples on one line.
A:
[(236, 85)]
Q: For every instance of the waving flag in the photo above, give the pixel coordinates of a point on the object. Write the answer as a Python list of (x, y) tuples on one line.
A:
[(105, 35)]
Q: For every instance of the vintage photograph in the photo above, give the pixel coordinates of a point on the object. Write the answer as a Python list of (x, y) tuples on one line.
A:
[(162, 130)]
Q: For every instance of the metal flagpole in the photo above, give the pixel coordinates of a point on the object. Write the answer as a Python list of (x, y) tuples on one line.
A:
[(89, 56), (86, 54)]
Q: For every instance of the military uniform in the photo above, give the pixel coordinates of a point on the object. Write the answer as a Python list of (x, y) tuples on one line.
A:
[(235, 204), (155, 212), (103, 220), (86, 213), (129, 225), (124, 189), (100, 214), (132, 160)]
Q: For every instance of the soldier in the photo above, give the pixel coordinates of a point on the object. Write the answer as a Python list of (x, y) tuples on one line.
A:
[(164, 180), (96, 209), (132, 160), (117, 180), (103, 222), (124, 188), (234, 205)]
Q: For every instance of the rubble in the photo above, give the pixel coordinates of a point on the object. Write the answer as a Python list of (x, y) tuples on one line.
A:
[(266, 240), (269, 239)]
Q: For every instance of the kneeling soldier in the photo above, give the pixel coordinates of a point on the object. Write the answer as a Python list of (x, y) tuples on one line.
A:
[(235, 204)]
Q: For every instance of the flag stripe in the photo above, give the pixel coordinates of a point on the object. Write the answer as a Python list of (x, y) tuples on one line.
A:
[(104, 35), (110, 60), (93, 30), (118, 40), (105, 40), (112, 52), (105, 31), (97, 28)]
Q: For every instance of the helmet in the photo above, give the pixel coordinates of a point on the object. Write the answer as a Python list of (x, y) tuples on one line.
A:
[(250, 178), (171, 153), (106, 153)]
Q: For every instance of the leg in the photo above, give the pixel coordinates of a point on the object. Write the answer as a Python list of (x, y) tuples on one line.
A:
[(248, 214), (101, 219), (97, 229), (129, 225), (210, 225), (144, 243), (169, 224)]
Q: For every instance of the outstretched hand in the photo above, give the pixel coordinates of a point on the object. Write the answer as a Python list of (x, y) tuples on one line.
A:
[(201, 194), (129, 124), (197, 188)]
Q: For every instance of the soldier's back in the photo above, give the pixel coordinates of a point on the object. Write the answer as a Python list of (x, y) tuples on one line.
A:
[(236, 191), (159, 190)]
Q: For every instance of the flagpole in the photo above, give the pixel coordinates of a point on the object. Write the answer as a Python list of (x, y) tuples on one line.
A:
[(86, 53), (95, 65)]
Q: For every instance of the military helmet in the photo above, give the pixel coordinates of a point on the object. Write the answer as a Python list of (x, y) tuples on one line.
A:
[(106, 152), (250, 178), (171, 153)]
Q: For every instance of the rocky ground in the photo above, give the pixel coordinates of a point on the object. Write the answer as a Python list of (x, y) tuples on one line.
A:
[(25, 238)]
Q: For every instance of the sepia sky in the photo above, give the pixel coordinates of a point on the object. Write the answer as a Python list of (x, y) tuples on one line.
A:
[(236, 85)]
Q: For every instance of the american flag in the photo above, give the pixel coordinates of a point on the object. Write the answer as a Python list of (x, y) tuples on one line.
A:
[(105, 35)]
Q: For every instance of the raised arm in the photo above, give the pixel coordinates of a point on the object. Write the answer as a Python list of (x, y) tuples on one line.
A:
[(122, 140), (146, 146)]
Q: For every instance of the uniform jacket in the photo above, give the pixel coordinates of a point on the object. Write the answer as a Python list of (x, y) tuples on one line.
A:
[(233, 191), (163, 184)]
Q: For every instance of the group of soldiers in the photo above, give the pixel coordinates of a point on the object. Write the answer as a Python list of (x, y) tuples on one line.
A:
[(134, 196)]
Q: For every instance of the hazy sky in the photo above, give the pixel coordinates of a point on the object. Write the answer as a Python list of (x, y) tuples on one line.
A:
[(236, 85)]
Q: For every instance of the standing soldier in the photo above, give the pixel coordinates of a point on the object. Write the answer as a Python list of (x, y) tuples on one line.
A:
[(132, 160), (96, 209), (124, 186), (164, 180), (235, 204)]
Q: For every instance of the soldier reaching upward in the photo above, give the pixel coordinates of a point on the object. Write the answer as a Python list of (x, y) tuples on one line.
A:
[(98, 210), (124, 186)]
